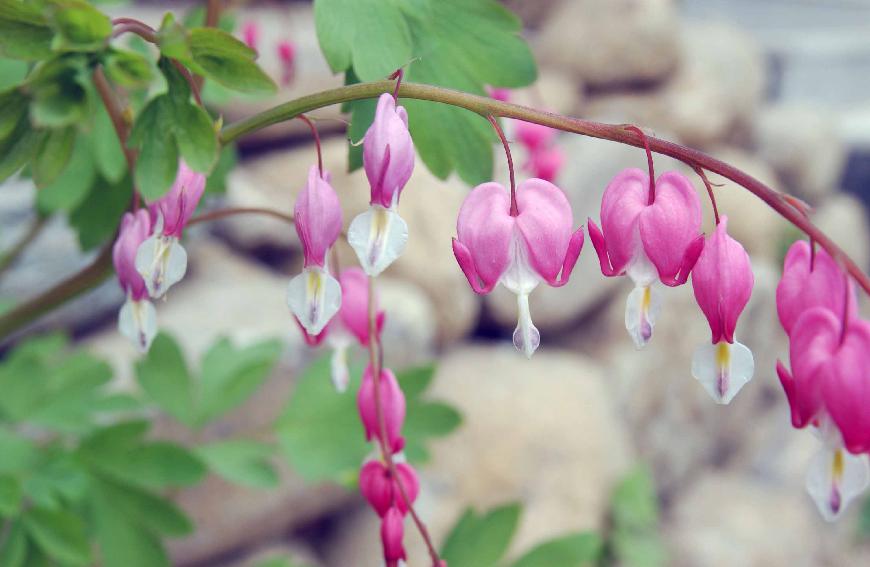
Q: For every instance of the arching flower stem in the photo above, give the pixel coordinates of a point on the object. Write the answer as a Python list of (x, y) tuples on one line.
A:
[(507, 150), (649, 164), (314, 133), (709, 187)]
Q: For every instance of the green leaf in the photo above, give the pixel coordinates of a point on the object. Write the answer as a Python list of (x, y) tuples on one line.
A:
[(573, 550), (157, 164), (19, 454), (12, 73), (60, 93), (24, 32), (481, 540), (241, 461), (13, 109), (146, 510), (128, 68), (60, 534), (99, 215), (123, 542), (18, 147), (223, 58), (634, 514), (217, 180), (196, 137), (80, 26), (10, 495), (106, 148), (414, 381), (345, 29), (58, 480), (425, 420), (172, 39), (164, 377), (53, 154), (71, 186), (13, 549)]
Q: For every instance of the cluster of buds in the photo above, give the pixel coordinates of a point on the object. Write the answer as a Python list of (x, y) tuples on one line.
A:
[(148, 257), (285, 49), (544, 159), (829, 353)]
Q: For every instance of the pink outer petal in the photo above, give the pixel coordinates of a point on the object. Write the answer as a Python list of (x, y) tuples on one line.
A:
[(533, 136), (411, 484), (312, 340), (722, 281), (544, 222), (846, 388), (135, 229), (354, 311), (392, 533), (392, 405), (484, 228), (670, 225), (388, 151), (376, 487), (318, 218), (179, 204), (814, 341), (600, 246), (624, 200), (801, 288)]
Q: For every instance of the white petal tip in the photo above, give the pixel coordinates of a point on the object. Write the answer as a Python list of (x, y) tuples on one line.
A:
[(137, 321), (378, 236), (642, 308), (314, 297), (162, 262), (526, 336), (835, 477), (339, 371), (722, 369)]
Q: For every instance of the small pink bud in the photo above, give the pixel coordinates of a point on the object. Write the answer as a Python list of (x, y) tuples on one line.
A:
[(382, 491), (179, 204), (135, 229), (534, 136), (251, 34), (546, 163), (388, 152), (287, 57), (392, 533), (354, 310), (499, 93), (318, 218), (392, 406)]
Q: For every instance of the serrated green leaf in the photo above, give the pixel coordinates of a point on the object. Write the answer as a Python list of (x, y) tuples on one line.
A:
[(164, 377), (196, 137), (575, 550), (481, 540), (146, 510), (98, 216), (10, 495), (106, 148), (157, 164), (223, 58), (128, 68), (60, 534), (13, 549), (71, 186), (24, 31), (80, 26), (53, 155), (241, 461)]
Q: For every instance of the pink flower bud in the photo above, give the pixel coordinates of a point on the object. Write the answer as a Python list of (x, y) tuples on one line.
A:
[(534, 136), (392, 406), (807, 284), (354, 310), (251, 34), (135, 229), (287, 57), (179, 204), (546, 163), (382, 491), (318, 218), (539, 244), (388, 152), (392, 533), (499, 93)]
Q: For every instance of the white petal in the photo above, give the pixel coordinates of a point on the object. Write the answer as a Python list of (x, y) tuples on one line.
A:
[(162, 262), (642, 308), (378, 236), (641, 271), (137, 321), (526, 337), (834, 478), (519, 277), (339, 371), (314, 297), (723, 369)]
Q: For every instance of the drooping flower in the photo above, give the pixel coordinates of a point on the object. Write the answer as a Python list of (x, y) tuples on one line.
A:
[(534, 136), (251, 34), (161, 260), (314, 296), (380, 488), (649, 237), (392, 533), (392, 407), (545, 163), (538, 244), (379, 235), (722, 281), (809, 282), (287, 56), (137, 319)]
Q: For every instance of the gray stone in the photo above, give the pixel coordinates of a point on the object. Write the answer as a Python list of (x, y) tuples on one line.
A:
[(843, 217)]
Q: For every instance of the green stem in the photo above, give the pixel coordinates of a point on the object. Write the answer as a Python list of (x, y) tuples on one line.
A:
[(485, 106)]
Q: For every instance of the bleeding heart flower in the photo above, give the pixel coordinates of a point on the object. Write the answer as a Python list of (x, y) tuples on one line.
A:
[(161, 260), (314, 296), (251, 34), (538, 244), (137, 319), (649, 237), (722, 281), (846, 385), (834, 476), (379, 235), (287, 56), (809, 282), (381, 490), (392, 406), (534, 136), (392, 533), (545, 163)]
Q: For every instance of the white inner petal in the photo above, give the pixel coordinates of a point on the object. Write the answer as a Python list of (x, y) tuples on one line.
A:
[(137, 321), (314, 297), (162, 262), (338, 365), (641, 270), (526, 337), (521, 279), (834, 478), (642, 309), (378, 236), (723, 369)]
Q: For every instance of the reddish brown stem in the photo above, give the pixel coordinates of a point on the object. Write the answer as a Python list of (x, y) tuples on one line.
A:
[(649, 163), (398, 75), (122, 129), (709, 187), (223, 213), (132, 25), (314, 133), (510, 161), (375, 358), (194, 85)]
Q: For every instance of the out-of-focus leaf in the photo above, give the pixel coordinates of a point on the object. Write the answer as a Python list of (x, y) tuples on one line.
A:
[(481, 540), (147, 510), (128, 68), (635, 540), (18, 147), (19, 454), (12, 73), (10, 495), (106, 148), (196, 137), (80, 26), (217, 180), (163, 374), (60, 93), (220, 56), (172, 39), (24, 31), (53, 154), (157, 164), (575, 550), (13, 549), (241, 461), (97, 217), (57, 479), (425, 420), (123, 542), (13, 109), (60, 534), (71, 186)]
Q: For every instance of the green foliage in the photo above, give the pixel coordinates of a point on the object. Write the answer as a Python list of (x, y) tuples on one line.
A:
[(462, 44), (320, 432), (573, 550), (79, 26), (634, 540), (241, 461), (24, 30)]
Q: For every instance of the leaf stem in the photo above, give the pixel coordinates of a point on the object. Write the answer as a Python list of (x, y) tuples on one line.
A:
[(116, 115), (617, 133)]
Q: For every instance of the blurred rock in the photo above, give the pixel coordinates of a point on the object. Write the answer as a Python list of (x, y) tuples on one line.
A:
[(844, 218), (739, 522), (713, 94), (542, 432), (603, 42), (554, 90), (803, 145), (409, 331), (295, 552), (428, 205), (532, 13)]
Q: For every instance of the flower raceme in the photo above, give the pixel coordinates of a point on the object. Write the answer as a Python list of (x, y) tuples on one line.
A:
[(314, 296), (650, 236), (722, 281), (137, 319), (519, 251), (379, 235), (161, 260)]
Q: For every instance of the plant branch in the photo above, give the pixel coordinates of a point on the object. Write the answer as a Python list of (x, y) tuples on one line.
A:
[(222, 213), (116, 114), (485, 106), (29, 236)]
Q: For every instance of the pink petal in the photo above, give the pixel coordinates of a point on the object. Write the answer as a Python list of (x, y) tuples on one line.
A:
[(814, 341), (318, 218), (388, 152), (392, 533), (533, 136), (846, 387), (135, 229), (376, 486), (545, 222), (354, 310), (624, 200), (484, 228)]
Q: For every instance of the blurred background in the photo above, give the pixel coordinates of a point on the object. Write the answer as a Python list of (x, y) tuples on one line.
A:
[(778, 88)]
